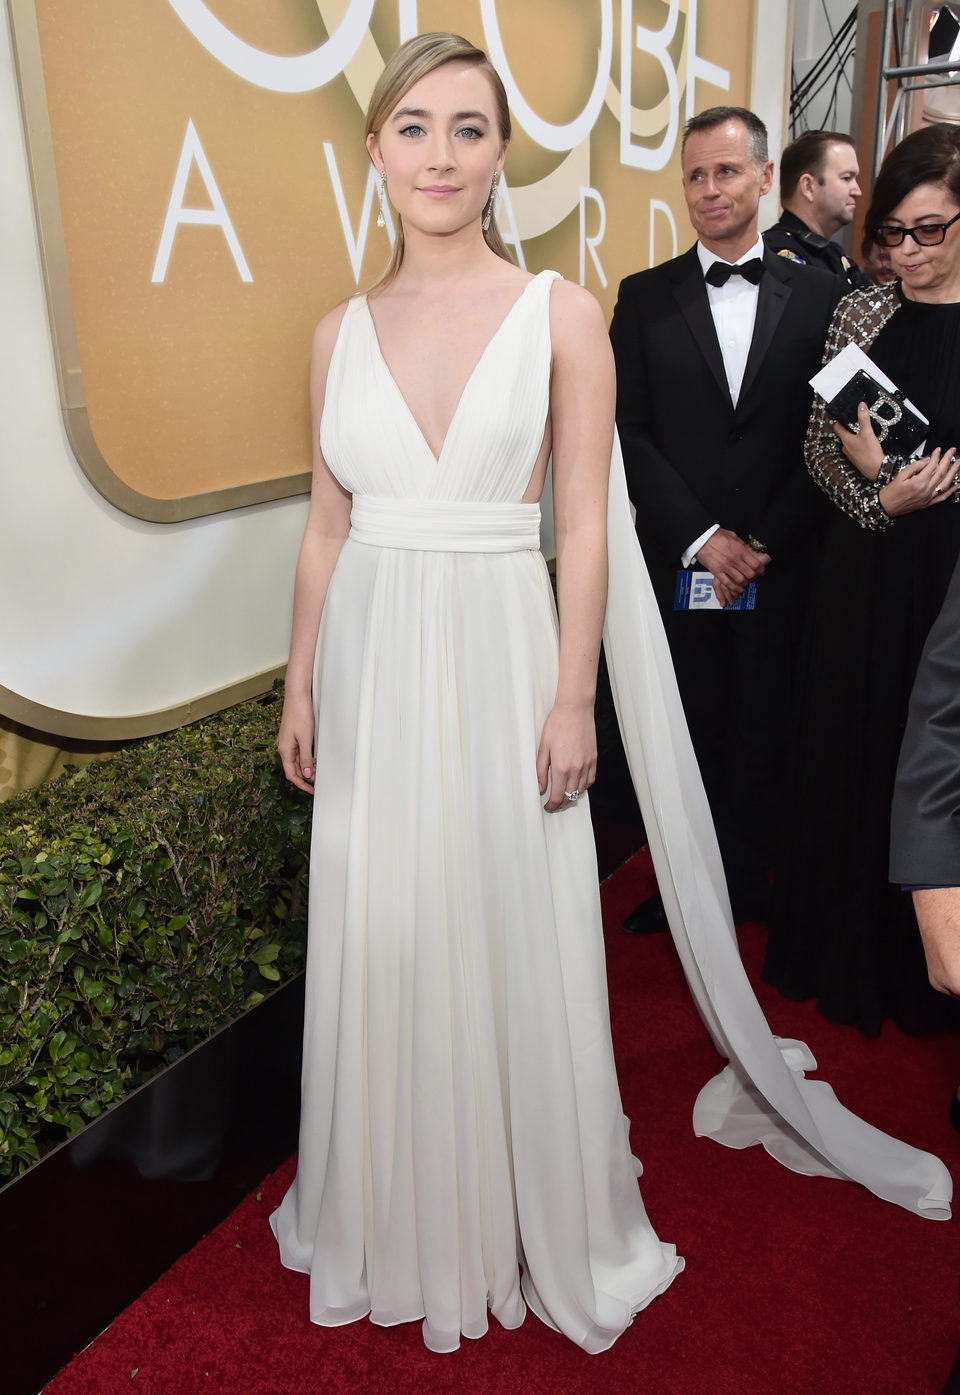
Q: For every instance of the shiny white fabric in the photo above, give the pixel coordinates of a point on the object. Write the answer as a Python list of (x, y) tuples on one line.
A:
[(431, 525), (460, 1113), (460, 1102)]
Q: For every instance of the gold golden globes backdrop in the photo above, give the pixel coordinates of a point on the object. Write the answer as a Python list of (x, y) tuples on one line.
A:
[(204, 195), (185, 192)]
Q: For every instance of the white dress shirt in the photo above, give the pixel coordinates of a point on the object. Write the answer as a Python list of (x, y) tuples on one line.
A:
[(734, 310)]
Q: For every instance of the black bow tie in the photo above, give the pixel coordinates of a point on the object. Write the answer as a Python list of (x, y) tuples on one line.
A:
[(719, 273)]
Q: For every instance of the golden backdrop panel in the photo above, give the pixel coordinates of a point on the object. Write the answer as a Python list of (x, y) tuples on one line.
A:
[(204, 196)]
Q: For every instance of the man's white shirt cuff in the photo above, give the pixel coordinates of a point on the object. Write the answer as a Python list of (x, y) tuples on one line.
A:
[(695, 547)]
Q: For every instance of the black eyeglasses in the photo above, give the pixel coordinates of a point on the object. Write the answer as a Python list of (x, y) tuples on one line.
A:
[(925, 234)]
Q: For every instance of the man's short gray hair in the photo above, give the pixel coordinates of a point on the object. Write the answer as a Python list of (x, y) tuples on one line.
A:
[(713, 117)]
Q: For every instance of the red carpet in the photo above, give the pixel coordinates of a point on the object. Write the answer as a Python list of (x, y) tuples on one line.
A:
[(793, 1286)]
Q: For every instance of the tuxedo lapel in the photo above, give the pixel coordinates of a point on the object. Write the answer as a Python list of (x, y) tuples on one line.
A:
[(690, 292), (771, 303)]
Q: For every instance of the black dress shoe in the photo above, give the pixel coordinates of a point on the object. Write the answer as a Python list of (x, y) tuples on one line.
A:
[(647, 918)]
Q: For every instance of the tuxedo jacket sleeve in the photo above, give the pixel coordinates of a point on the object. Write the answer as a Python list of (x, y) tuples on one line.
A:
[(692, 457), (925, 823)]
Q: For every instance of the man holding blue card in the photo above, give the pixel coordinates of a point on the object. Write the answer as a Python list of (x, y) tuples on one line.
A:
[(714, 352)]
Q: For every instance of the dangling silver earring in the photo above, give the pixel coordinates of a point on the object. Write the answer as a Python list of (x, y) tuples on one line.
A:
[(491, 202), (382, 192)]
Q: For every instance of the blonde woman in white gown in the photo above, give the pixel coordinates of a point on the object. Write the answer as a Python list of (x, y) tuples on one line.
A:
[(463, 1147)]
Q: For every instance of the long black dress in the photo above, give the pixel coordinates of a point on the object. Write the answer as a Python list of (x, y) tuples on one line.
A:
[(839, 931)]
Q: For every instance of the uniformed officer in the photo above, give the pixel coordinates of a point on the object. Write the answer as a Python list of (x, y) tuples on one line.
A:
[(818, 195)]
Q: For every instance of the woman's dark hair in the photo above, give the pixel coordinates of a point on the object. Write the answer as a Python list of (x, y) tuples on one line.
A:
[(928, 156)]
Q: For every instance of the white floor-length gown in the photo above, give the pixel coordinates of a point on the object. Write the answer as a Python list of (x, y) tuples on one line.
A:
[(461, 1120)]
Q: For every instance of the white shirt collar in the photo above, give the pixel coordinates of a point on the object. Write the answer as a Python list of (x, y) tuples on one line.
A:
[(707, 258)]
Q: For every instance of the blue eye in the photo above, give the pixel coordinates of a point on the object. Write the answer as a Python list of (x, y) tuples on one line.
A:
[(413, 130), (471, 132)]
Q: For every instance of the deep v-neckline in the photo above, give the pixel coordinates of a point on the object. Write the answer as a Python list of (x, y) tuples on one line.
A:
[(466, 387)]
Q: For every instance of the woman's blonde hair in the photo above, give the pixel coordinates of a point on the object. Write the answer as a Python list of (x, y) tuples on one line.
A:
[(411, 62)]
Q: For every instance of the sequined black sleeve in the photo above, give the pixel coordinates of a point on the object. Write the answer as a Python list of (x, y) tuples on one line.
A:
[(858, 319)]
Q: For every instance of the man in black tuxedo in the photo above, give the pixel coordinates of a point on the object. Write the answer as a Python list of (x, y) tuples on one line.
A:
[(714, 351)]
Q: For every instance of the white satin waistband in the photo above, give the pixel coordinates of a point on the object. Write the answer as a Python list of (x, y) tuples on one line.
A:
[(441, 525)]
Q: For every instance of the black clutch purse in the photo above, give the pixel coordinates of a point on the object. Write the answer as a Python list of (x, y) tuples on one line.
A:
[(899, 429)]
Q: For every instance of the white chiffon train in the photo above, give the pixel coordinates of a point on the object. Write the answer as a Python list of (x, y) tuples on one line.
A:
[(461, 1121), (763, 1095)]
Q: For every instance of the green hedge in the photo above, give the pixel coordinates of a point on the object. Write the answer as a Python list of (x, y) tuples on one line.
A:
[(144, 902)]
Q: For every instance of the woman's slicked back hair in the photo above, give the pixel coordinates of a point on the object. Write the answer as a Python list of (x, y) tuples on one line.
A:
[(412, 61)]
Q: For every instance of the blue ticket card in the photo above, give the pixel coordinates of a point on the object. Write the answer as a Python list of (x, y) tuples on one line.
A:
[(694, 591)]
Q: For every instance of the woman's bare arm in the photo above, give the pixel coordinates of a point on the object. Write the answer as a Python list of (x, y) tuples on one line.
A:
[(328, 523), (582, 406)]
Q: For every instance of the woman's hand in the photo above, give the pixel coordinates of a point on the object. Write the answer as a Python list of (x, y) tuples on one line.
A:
[(861, 447), (295, 741), (567, 754), (921, 483)]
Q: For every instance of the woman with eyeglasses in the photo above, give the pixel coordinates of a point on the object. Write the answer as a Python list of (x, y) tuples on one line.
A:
[(839, 931)]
